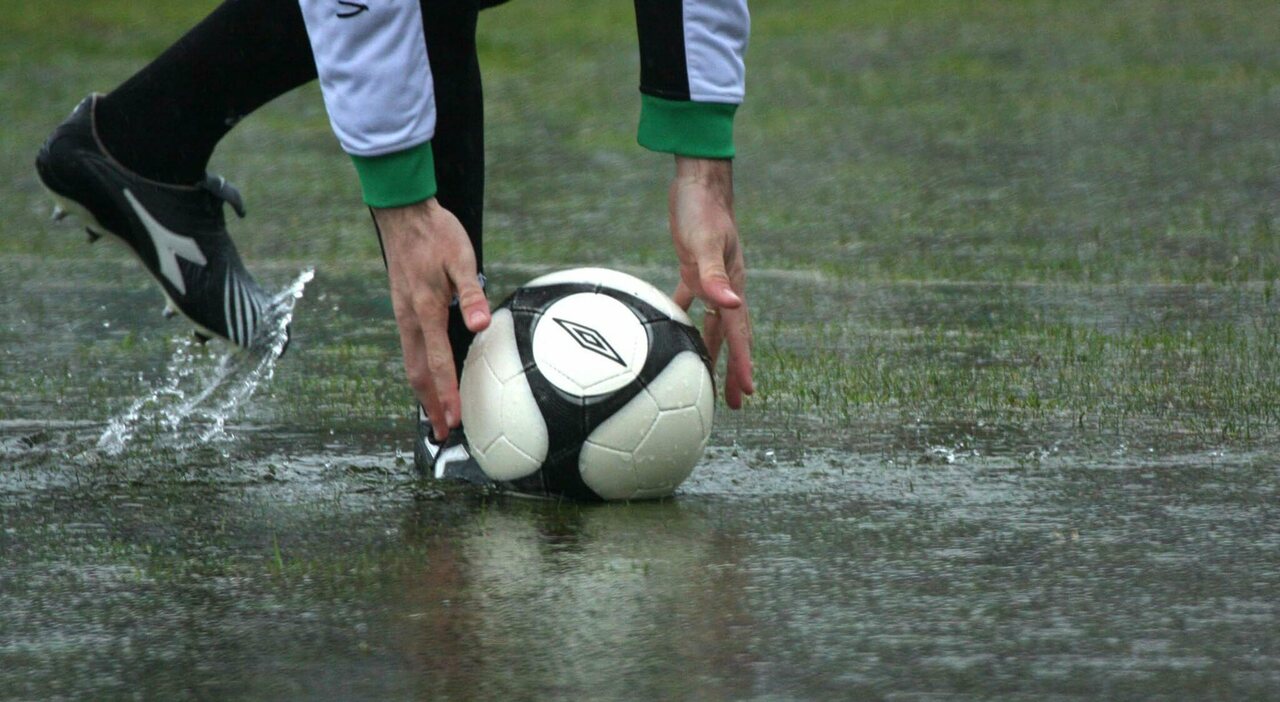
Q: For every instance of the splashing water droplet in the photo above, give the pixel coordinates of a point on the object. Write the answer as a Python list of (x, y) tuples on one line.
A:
[(191, 404)]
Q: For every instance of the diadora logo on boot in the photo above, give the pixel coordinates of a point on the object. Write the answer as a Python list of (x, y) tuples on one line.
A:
[(352, 9), (169, 246), (590, 339)]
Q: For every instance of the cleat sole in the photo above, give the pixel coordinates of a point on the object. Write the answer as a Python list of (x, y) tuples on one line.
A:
[(70, 207)]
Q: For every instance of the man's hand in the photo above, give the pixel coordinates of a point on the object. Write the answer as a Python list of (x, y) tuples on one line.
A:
[(429, 262), (711, 267)]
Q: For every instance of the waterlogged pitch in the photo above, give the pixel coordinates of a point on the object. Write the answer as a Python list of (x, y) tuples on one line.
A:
[(1013, 268), (1003, 506)]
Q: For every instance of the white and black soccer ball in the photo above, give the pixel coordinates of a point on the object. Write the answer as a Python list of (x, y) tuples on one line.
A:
[(589, 384)]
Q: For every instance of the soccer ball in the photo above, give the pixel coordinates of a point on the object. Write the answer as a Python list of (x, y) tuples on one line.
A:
[(589, 384)]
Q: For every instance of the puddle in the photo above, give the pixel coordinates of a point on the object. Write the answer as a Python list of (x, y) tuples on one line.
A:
[(931, 544)]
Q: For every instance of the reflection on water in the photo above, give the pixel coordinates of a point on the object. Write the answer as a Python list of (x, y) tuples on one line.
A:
[(905, 556)]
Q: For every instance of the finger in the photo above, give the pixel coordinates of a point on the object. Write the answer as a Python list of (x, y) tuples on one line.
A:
[(444, 386), (414, 346), (474, 304), (739, 378), (714, 281), (441, 384), (713, 335), (683, 296)]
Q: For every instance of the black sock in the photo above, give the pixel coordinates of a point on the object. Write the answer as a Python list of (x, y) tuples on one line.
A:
[(458, 145), (164, 122)]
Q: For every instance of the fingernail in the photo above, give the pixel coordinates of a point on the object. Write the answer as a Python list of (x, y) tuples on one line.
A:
[(450, 418), (476, 318)]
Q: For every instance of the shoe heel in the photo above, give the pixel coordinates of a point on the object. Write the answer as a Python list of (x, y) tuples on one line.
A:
[(64, 207)]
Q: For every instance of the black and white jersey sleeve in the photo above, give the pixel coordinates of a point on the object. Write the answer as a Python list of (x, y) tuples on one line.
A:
[(375, 74), (692, 74), (371, 57)]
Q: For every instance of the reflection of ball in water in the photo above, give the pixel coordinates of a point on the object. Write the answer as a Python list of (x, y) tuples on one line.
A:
[(591, 384)]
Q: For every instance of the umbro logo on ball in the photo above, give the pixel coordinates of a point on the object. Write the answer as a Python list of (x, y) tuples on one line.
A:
[(590, 339)]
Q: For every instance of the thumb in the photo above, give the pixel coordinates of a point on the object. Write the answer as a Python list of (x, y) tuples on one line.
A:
[(471, 299), (715, 285)]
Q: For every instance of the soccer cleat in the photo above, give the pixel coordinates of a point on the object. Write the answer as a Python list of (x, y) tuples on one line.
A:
[(178, 232), (450, 460)]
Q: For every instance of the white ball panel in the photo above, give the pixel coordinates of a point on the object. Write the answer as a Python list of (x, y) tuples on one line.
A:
[(522, 422), (499, 346), (481, 394), (706, 404), (618, 281), (504, 427), (624, 430), (681, 383), (504, 461), (608, 472), (589, 344), (668, 453)]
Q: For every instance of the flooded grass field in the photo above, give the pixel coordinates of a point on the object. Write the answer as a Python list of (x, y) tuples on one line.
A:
[(912, 532), (1017, 434)]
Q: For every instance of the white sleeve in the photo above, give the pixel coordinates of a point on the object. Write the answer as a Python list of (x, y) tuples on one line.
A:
[(715, 41), (372, 61)]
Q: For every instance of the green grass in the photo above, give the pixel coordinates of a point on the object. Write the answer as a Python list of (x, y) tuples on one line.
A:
[(1202, 381), (1030, 141)]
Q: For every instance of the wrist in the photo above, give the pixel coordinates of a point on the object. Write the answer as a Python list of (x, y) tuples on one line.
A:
[(713, 177), (397, 220), (704, 170)]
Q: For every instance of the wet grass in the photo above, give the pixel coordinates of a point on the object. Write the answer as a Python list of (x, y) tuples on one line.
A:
[(1040, 141), (1015, 269), (1210, 379)]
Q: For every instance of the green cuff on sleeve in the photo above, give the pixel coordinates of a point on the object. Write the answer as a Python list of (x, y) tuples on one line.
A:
[(698, 129), (397, 179)]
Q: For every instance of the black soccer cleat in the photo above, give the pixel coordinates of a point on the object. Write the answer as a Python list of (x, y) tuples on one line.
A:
[(450, 460), (177, 231)]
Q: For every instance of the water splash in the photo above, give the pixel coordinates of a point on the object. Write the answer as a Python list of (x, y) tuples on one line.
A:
[(192, 402)]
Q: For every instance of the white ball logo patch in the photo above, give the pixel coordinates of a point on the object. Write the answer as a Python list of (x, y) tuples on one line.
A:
[(589, 344)]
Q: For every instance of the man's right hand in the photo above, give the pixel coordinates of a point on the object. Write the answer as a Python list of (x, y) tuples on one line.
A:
[(429, 262)]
